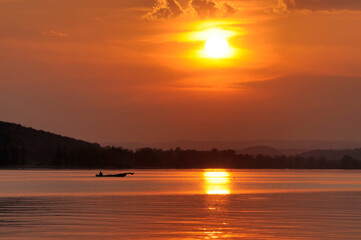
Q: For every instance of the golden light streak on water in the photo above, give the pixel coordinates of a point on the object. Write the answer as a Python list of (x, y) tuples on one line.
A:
[(216, 182)]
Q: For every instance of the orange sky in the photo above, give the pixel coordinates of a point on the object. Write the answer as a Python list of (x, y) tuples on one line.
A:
[(130, 70)]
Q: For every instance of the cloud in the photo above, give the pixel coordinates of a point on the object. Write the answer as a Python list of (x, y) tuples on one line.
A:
[(281, 8), (164, 9), (204, 7), (228, 9), (208, 8), (315, 5), (53, 33)]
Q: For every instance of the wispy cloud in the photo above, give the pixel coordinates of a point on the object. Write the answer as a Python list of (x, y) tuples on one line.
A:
[(53, 33), (164, 9)]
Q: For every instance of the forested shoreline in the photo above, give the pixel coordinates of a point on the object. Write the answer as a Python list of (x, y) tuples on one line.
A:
[(29, 148)]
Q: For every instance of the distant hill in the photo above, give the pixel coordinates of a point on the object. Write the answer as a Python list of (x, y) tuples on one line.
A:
[(281, 145), (285, 147), (24, 146), (333, 154), (260, 150)]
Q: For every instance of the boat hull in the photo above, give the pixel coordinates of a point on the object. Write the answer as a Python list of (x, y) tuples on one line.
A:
[(114, 175)]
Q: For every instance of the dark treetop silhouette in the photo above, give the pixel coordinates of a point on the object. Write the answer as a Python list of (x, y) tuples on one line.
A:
[(25, 147)]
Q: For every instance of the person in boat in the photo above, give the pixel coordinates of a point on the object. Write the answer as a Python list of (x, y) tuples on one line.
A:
[(100, 173)]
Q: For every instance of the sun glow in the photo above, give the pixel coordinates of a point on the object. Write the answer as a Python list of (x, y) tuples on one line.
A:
[(215, 41), (216, 47)]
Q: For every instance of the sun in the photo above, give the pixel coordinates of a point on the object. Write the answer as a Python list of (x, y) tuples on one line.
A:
[(216, 46)]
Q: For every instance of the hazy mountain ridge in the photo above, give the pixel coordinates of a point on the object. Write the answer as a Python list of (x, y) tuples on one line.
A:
[(284, 147), (260, 150)]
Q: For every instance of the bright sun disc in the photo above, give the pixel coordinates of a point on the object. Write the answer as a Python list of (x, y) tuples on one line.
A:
[(216, 47)]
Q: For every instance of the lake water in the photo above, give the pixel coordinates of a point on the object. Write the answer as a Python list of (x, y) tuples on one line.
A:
[(181, 204)]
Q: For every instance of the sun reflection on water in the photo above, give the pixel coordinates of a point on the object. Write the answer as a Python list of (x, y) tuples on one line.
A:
[(216, 182), (216, 187)]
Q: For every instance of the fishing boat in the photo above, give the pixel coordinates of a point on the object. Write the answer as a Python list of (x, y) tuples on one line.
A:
[(114, 175)]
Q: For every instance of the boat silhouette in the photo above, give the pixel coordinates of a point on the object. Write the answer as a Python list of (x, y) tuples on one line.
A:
[(114, 175)]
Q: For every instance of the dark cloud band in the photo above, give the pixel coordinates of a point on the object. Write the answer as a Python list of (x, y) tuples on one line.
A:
[(315, 5)]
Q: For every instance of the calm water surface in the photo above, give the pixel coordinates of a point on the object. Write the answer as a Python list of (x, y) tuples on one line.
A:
[(181, 204)]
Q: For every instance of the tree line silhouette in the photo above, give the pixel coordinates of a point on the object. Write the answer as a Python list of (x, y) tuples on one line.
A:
[(26, 147), (116, 157)]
